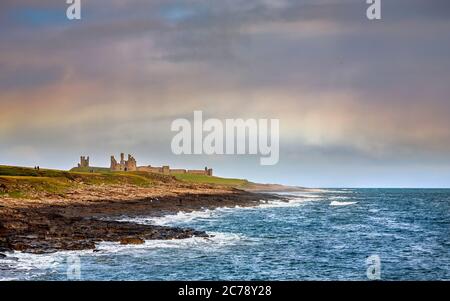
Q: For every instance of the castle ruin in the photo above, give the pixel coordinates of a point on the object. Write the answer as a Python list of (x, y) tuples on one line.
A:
[(131, 165), (123, 165), (84, 161)]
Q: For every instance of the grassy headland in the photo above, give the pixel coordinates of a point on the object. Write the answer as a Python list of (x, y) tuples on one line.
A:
[(197, 178), (23, 182)]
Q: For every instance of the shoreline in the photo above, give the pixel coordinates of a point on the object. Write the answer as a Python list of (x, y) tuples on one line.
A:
[(79, 221)]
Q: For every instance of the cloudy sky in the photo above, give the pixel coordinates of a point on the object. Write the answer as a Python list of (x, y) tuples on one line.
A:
[(361, 103)]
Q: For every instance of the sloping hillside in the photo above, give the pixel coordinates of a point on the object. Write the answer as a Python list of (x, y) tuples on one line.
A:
[(22, 182)]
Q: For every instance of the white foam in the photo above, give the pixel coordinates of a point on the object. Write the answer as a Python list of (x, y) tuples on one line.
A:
[(217, 240), (309, 195), (338, 198), (183, 217), (315, 190), (291, 203), (344, 191), (179, 217), (336, 203), (8, 279), (270, 204), (28, 265), (304, 194)]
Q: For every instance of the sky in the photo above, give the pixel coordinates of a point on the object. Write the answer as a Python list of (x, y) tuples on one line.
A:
[(361, 103)]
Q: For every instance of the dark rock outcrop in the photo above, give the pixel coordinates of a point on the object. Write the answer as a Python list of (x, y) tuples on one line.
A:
[(75, 226)]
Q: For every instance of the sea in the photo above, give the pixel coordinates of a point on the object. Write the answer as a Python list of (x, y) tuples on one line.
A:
[(319, 234)]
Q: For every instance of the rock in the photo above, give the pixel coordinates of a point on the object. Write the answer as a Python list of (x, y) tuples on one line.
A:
[(3, 249), (2, 255), (18, 246), (79, 226), (200, 234), (131, 241)]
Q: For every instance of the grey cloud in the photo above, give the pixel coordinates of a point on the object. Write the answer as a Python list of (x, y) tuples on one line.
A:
[(134, 55)]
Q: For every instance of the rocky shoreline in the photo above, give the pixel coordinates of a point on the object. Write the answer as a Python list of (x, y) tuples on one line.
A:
[(77, 222)]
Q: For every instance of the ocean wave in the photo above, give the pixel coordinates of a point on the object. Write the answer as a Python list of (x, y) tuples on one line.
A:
[(183, 217), (290, 203), (336, 203), (8, 279), (309, 195), (304, 194), (217, 240), (328, 190), (338, 198), (340, 191), (26, 266), (294, 202), (314, 190), (179, 217)]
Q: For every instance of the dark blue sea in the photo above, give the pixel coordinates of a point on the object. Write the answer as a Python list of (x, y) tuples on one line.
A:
[(323, 234)]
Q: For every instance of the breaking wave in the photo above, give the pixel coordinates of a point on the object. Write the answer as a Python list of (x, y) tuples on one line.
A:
[(336, 203), (26, 266), (183, 217), (216, 240)]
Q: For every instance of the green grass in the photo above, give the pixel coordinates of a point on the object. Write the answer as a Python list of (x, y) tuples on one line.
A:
[(91, 169), (23, 182), (24, 186), (14, 194), (197, 178), (26, 171)]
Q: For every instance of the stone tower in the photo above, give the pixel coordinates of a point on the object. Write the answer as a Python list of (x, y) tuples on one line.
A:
[(123, 165), (84, 161)]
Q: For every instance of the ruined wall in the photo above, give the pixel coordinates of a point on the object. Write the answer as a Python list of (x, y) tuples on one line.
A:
[(166, 169), (150, 169), (197, 171), (177, 171), (169, 171), (206, 171)]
